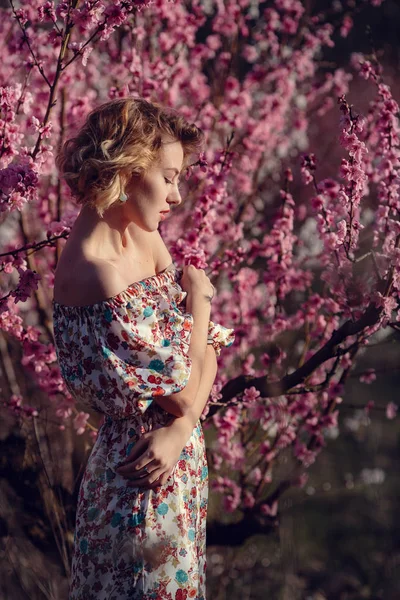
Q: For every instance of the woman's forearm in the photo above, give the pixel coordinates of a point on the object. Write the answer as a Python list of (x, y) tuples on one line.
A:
[(186, 423), (180, 403)]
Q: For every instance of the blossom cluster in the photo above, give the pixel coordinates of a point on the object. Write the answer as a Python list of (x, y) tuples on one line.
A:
[(287, 273)]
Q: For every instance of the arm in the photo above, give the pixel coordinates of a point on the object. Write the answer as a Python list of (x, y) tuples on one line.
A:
[(184, 425), (163, 446), (104, 281), (181, 403)]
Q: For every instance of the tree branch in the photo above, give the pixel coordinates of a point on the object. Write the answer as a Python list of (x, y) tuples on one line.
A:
[(35, 246), (35, 60), (278, 388), (235, 534)]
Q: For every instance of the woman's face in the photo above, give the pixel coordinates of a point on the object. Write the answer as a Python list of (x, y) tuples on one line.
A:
[(157, 191)]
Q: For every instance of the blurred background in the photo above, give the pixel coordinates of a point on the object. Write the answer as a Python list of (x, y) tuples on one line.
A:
[(338, 538)]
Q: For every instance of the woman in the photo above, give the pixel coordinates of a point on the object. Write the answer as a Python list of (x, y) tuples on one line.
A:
[(134, 342)]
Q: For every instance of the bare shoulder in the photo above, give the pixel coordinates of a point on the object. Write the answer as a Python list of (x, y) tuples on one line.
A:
[(87, 281), (82, 279)]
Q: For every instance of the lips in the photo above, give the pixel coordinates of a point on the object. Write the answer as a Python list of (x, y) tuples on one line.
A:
[(164, 212)]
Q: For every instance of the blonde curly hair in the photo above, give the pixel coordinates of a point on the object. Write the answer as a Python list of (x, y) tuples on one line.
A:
[(120, 138)]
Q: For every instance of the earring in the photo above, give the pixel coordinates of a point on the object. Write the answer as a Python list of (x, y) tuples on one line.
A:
[(123, 197)]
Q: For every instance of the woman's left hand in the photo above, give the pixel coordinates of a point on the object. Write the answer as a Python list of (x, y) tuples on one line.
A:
[(155, 455)]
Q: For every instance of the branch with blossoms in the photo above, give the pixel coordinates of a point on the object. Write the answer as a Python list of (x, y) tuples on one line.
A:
[(19, 183), (255, 91), (34, 246), (355, 332)]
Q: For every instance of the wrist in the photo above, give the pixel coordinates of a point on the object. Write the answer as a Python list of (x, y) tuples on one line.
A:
[(183, 426), (201, 301)]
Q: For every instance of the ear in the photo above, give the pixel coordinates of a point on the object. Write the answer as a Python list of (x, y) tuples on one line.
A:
[(129, 175)]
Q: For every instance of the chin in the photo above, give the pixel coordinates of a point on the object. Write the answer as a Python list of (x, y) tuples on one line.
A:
[(150, 228)]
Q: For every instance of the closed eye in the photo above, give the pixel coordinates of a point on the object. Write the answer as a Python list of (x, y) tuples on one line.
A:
[(171, 183)]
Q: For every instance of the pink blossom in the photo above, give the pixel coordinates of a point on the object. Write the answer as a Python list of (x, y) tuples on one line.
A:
[(289, 25), (16, 182), (250, 394), (9, 178), (37, 126), (27, 284), (8, 267), (244, 219), (213, 42), (46, 12), (56, 228), (269, 510), (248, 499), (369, 406), (347, 26), (85, 55), (301, 480), (308, 166), (305, 456), (254, 477), (391, 410), (341, 230), (335, 389), (265, 447), (80, 422), (329, 187), (250, 53), (20, 409), (86, 16), (15, 400), (62, 9), (388, 303), (226, 485), (115, 15), (217, 460), (215, 392), (368, 376)]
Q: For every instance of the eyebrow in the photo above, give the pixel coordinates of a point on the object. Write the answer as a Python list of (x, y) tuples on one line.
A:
[(172, 169)]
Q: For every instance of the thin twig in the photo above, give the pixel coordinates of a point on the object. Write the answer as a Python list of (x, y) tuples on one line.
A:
[(35, 246), (36, 62)]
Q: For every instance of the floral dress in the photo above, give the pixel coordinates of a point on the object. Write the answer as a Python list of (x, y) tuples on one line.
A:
[(115, 356)]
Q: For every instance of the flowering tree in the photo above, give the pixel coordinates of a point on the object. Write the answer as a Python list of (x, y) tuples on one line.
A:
[(304, 305)]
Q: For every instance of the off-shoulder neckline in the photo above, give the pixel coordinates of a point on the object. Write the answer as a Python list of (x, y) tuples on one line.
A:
[(156, 280)]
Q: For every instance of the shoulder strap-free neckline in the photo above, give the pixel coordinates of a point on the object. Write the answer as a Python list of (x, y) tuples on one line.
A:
[(152, 280)]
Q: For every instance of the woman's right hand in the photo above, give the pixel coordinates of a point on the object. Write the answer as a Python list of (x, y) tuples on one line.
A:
[(195, 282)]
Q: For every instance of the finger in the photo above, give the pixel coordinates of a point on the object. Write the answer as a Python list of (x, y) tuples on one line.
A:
[(129, 471), (147, 481), (143, 461), (161, 480), (157, 484), (138, 450)]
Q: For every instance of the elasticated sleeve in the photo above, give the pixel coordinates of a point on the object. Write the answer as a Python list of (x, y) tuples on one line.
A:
[(219, 336), (143, 349), (117, 356)]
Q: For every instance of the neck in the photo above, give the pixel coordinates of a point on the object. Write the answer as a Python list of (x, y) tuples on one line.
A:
[(108, 236)]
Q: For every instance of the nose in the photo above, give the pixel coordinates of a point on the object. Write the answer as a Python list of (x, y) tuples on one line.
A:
[(174, 197)]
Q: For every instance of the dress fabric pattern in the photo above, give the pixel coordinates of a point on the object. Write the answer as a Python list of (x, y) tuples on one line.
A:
[(115, 356)]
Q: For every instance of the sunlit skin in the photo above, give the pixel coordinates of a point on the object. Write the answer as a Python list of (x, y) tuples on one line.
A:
[(124, 227), (156, 191), (125, 231)]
